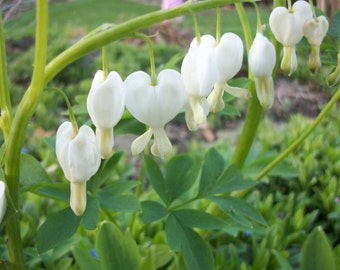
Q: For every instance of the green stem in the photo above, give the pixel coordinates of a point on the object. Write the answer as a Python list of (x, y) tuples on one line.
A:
[(5, 102), (218, 25), (109, 34), (252, 121), (152, 58), (302, 137), (254, 112), (17, 134), (104, 62), (69, 108)]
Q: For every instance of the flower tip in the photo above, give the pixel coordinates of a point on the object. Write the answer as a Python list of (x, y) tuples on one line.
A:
[(105, 143), (78, 198)]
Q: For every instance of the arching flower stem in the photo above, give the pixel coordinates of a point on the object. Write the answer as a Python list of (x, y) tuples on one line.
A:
[(218, 25), (69, 107)]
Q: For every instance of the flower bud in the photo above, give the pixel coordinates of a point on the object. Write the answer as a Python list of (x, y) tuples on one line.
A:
[(287, 27), (105, 105), (315, 29), (79, 158), (155, 106), (262, 60), (334, 77), (3, 201)]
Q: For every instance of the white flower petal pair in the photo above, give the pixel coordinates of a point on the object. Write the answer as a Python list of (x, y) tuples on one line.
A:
[(105, 105), (79, 158), (155, 106), (315, 29), (287, 27), (262, 59), (3, 201), (199, 72), (228, 57)]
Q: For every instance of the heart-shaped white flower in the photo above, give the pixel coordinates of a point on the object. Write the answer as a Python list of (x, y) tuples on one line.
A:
[(3, 201), (315, 29), (155, 106), (105, 105), (199, 72), (262, 59), (287, 27), (228, 57), (79, 158)]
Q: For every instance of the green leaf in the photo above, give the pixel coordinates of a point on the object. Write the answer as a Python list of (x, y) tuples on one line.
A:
[(212, 168), (231, 180), (32, 174), (120, 203), (91, 214), (57, 229), (282, 260), (181, 174), (111, 198), (152, 211), (58, 191), (196, 252), (155, 177), (115, 249), (148, 262), (316, 252), (84, 259), (238, 209), (198, 219), (105, 172)]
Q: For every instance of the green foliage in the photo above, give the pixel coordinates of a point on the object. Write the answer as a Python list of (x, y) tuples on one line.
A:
[(116, 250)]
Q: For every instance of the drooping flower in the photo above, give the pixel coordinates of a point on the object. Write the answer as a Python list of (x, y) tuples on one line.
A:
[(105, 105), (155, 106), (3, 201), (287, 27), (228, 57), (79, 158), (315, 29), (199, 72), (262, 60)]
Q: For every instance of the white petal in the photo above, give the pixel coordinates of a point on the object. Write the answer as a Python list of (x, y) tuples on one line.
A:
[(262, 56), (162, 146), (155, 105), (78, 155), (265, 91), (229, 56), (199, 69), (289, 60), (139, 144), (78, 197), (215, 99), (105, 102), (196, 112), (315, 30), (3, 201), (287, 25), (237, 91), (104, 138)]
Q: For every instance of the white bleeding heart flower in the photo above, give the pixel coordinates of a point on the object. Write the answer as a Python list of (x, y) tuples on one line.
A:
[(287, 27), (199, 72), (105, 105), (315, 29), (262, 59), (228, 57), (3, 201), (155, 106), (79, 158)]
